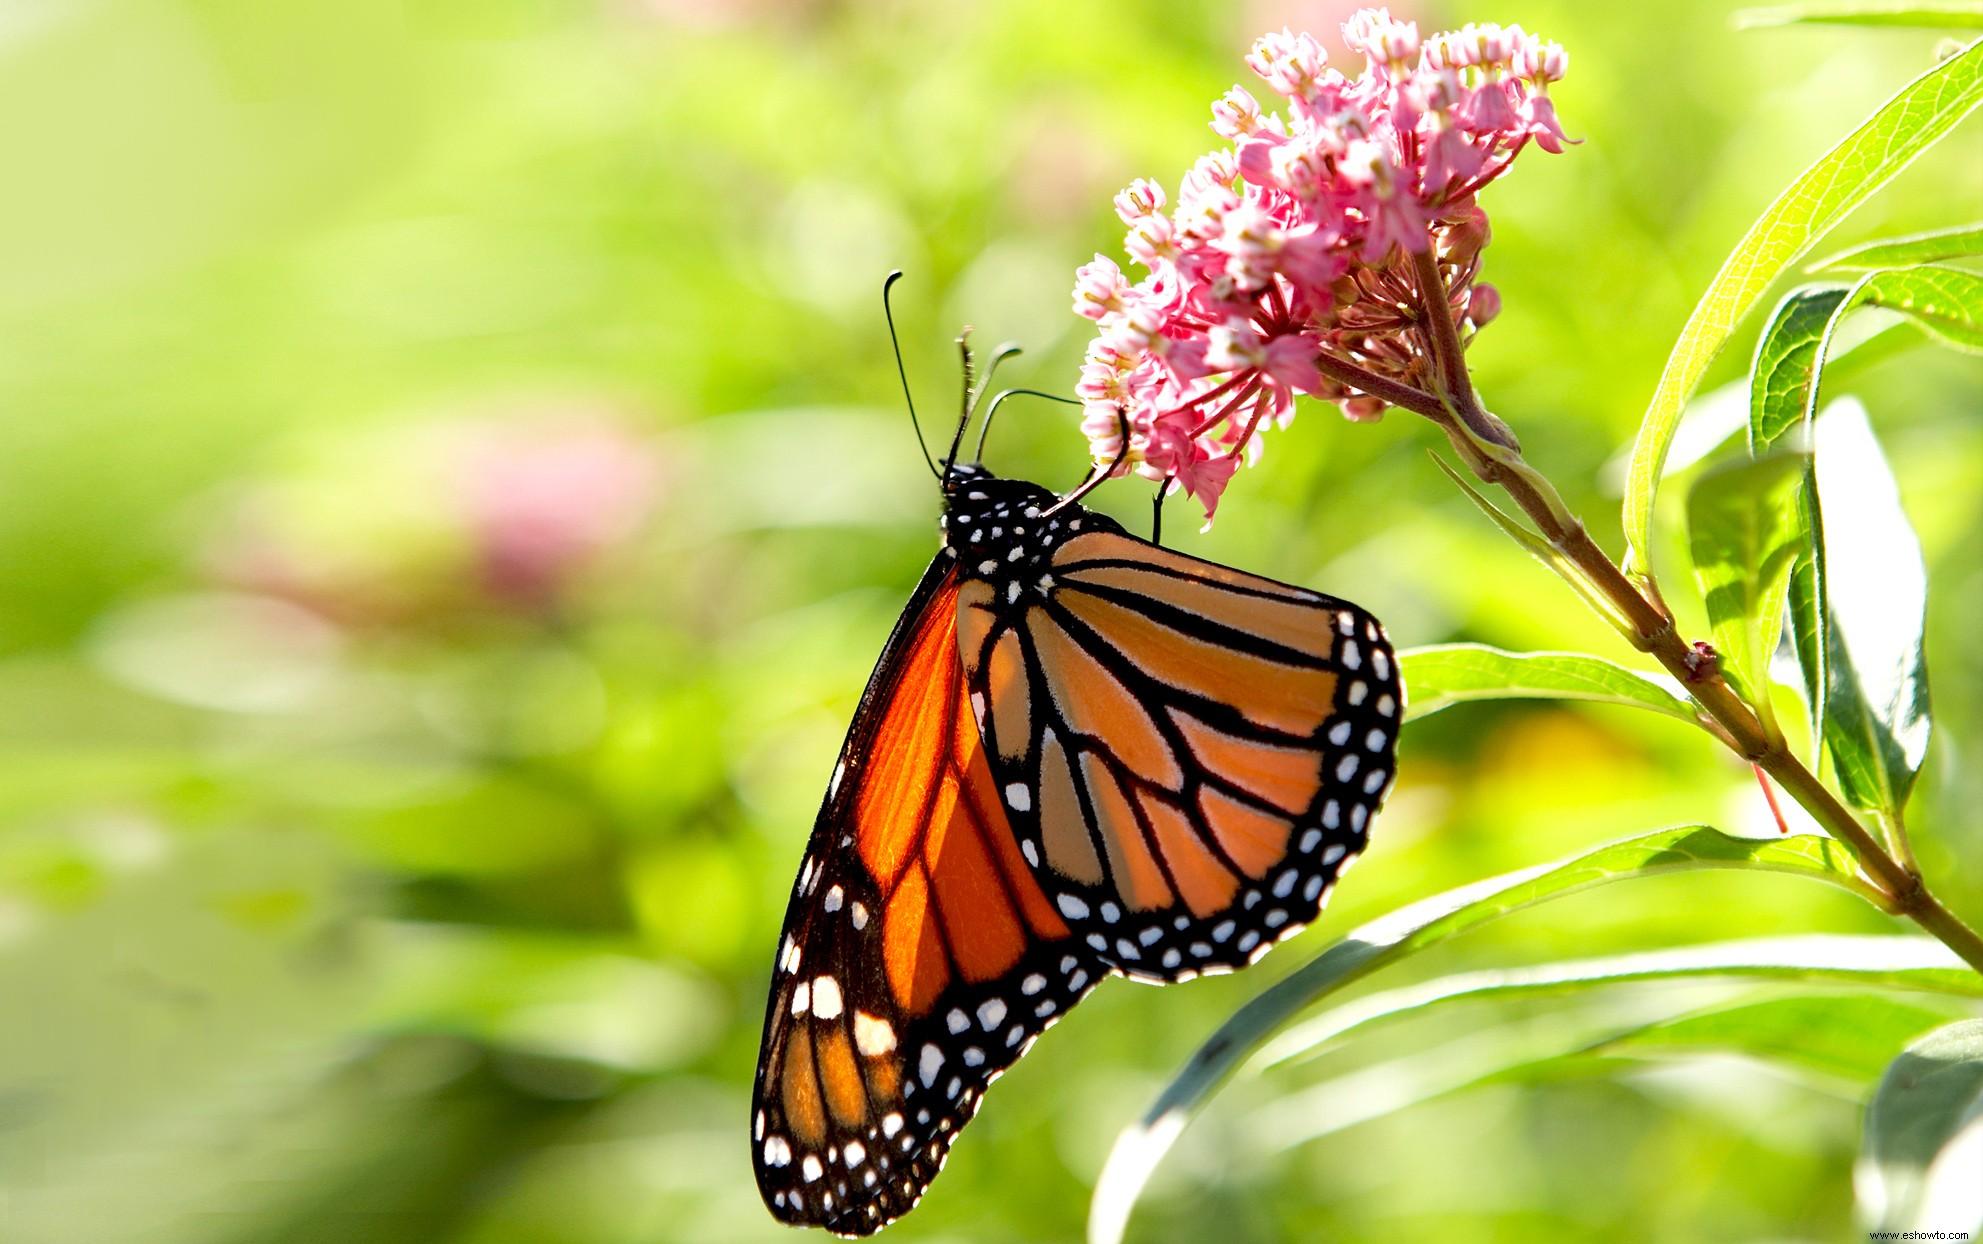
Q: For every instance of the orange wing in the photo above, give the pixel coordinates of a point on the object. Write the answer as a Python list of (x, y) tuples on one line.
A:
[(1189, 755), (920, 957)]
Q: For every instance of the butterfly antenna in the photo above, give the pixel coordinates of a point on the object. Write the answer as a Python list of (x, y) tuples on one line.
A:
[(1006, 350), (1101, 473), (984, 429), (889, 313), (969, 400)]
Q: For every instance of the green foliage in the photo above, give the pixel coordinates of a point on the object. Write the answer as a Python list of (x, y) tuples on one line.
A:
[(1447, 674), (1743, 537), (1876, 714), (1410, 931), (1948, 15), (1893, 137), (1924, 1133), (1875, 962), (1933, 246)]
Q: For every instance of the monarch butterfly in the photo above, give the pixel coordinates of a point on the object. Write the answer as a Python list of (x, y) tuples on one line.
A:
[(1080, 755)]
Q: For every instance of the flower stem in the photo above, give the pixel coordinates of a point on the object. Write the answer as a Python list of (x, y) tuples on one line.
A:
[(1651, 630)]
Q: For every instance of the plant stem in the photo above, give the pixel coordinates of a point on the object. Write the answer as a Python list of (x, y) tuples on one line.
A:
[(1484, 443), (1653, 632)]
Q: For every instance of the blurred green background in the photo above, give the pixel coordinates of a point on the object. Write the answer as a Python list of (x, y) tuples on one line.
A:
[(453, 488)]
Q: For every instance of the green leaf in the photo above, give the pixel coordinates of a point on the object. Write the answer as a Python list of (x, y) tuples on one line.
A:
[(1946, 301), (1917, 1169), (1443, 675), (1744, 536), (1948, 15), (1407, 931), (1793, 350), (1905, 126), (1844, 1040), (1851, 1037), (1783, 381), (1910, 963), (1784, 387), (1807, 611), (1876, 719), (1916, 248)]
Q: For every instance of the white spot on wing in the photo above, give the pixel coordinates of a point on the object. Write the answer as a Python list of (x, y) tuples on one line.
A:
[(873, 1036), (1020, 799), (825, 997)]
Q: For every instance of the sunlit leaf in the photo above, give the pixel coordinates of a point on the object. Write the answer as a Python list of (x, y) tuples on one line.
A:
[(1905, 126), (1918, 1167), (1851, 1037), (1916, 248), (1784, 377), (1791, 357), (1946, 301), (1406, 932), (1910, 963), (1841, 1039), (1442, 675), (1876, 719), (1743, 535), (1947, 15)]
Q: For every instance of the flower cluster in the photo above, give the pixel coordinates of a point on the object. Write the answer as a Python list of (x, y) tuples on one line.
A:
[(1302, 241)]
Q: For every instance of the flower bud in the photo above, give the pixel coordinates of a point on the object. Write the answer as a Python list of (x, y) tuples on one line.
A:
[(1483, 305)]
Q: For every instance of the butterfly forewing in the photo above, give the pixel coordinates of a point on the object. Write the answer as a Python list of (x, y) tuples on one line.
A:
[(1188, 755), (919, 959)]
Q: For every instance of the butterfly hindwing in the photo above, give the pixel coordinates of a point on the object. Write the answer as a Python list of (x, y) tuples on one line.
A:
[(1189, 755), (919, 958)]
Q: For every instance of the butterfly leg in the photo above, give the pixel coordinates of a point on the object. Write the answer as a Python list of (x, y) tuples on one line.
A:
[(1157, 512)]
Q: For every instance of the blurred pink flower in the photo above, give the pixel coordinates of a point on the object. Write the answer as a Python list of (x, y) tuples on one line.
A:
[(542, 501), (425, 521), (1297, 240)]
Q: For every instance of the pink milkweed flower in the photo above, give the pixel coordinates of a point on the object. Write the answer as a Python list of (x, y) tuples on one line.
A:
[(1142, 199), (1152, 242), (1204, 476), (1290, 63), (1290, 243), (1388, 44), (1101, 292), (1538, 119), (1489, 110), (1236, 115)]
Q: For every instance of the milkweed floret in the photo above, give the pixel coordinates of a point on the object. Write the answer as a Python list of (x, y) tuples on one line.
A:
[(1300, 240)]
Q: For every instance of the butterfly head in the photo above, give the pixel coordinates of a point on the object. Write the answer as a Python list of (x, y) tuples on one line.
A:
[(1005, 531)]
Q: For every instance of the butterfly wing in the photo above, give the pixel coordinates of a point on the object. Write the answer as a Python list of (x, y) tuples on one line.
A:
[(1188, 754), (920, 958)]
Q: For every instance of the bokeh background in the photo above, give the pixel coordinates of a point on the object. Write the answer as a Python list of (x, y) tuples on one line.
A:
[(453, 488)]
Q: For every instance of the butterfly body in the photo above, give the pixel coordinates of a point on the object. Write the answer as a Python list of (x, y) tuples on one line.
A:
[(1080, 754)]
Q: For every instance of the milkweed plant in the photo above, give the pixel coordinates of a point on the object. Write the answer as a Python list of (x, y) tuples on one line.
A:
[(1332, 249)]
